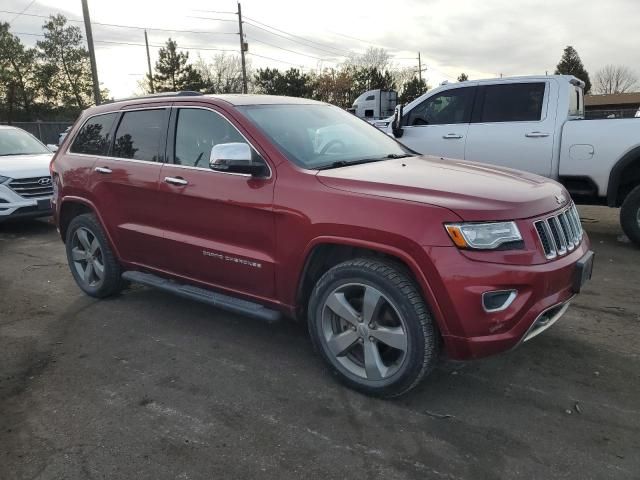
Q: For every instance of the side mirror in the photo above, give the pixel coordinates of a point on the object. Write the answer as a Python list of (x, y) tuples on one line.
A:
[(234, 158), (53, 147), (396, 125)]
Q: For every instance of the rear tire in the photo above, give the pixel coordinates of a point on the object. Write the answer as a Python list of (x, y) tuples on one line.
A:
[(630, 215), (370, 324), (92, 262)]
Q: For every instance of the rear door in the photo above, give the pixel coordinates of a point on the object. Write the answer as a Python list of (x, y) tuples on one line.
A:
[(513, 126), (438, 126), (125, 184), (219, 227)]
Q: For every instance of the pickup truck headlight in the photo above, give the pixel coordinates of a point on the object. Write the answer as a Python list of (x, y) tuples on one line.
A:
[(3, 179), (483, 236)]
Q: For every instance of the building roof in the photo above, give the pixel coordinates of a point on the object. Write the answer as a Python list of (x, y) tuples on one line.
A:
[(612, 99)]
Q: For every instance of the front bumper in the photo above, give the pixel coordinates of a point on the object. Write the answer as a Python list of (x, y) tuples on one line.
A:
[(13, 205), (469, 331)]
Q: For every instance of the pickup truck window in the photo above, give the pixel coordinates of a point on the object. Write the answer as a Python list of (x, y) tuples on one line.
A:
[(448, 107), (197, 132), (314, 136), (511, 102), (139, 135), (93, 138)]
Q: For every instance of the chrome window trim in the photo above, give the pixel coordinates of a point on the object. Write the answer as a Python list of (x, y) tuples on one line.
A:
[(189, 167)]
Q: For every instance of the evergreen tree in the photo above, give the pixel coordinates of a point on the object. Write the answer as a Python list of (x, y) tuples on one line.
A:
[(413, 89), (173, 73), (463, 77), (570, 64)]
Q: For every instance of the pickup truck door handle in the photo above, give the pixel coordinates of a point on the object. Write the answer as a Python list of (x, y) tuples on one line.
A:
[(451, 136), (536, 134), (103, 170), (175, 180)]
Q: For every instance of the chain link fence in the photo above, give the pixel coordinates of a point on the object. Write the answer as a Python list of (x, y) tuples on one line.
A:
[(46, 132)]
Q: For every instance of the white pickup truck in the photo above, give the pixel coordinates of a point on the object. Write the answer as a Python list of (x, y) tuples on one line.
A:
[(533, 123)]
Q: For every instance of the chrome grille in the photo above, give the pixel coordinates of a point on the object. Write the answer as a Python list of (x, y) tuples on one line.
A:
[(32, 187), (560, 233)]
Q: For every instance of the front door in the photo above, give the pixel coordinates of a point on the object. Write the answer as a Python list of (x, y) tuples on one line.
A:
[(218, 226), (512, 126), (438, 126)]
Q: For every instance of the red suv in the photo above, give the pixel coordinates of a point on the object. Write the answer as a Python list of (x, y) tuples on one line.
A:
[(273, 206)]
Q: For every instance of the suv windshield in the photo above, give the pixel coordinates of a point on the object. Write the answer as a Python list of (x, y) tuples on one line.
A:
[(322, 136), (19, 142)]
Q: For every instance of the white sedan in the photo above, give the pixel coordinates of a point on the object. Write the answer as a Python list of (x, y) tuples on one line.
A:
[(25, 181)]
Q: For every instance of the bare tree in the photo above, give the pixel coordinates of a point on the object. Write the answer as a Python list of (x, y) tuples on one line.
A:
[(373, 58), (223, 74), (615, 79)]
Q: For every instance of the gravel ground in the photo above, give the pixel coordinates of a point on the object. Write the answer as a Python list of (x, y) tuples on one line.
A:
[(149, 386)]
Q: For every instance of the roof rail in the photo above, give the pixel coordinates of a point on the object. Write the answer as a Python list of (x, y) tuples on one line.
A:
[(182, 93)]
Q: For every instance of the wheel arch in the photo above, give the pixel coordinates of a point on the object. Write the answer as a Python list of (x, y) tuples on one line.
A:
[(71, 207), (326, 252), (624, 175)]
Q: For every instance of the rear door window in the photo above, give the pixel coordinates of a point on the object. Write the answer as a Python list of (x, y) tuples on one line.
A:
[(141, 135), (94, 137), (511, 102)]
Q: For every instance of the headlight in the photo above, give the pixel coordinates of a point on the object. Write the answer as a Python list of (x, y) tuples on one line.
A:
[(483, 236), (3, 179)]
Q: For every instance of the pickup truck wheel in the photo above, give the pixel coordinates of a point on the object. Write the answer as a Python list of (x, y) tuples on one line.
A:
[(372, 327), (630, 215), (93, 265)]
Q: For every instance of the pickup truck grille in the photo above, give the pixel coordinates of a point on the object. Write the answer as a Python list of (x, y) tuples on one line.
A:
[(32, 187), (560, 233)]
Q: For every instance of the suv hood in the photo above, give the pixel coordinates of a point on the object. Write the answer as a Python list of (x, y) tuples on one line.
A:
[(25, 166), (474, 191)]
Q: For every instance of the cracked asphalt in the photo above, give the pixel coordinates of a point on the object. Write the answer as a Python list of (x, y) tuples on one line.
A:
[(150, 386)]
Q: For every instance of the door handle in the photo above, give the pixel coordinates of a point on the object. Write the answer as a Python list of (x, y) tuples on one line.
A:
[(451, 136), (537, 134), (175, 180), (103, 170)]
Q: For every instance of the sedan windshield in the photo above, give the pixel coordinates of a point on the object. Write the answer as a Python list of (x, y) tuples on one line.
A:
[(14, 141), (317, 136)]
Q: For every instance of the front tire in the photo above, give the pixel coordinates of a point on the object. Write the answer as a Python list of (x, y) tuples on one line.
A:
[(372, 327), (92, 262), (630, 215)]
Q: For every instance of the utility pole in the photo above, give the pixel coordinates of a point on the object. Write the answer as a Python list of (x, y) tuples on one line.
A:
[(243, 48), (146, 42), (420, 69), (92, 52)]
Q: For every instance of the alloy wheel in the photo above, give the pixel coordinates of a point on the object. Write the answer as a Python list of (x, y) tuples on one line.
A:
[(364, 331), (87, 257)]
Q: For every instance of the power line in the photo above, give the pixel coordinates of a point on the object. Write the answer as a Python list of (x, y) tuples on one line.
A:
[(274, 59), (289, 37), (285, 49), (23, 10), (217, 12), (128, 26)]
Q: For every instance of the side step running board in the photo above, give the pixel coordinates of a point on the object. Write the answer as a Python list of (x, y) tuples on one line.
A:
[(219, 300)]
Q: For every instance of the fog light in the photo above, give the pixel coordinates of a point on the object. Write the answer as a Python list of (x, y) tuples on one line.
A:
[(498, 300)]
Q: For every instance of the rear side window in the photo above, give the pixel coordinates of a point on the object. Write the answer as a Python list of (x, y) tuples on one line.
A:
[(94, 136), (140, 135), (511, 102)]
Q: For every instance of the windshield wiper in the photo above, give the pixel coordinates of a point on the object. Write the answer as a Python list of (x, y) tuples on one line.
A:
[(344, 163)]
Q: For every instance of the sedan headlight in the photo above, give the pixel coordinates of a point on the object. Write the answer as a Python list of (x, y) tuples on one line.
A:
[(483, 236), (3, 179)]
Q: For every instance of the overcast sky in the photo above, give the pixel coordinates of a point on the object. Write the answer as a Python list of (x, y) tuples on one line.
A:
[(480, 37)]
